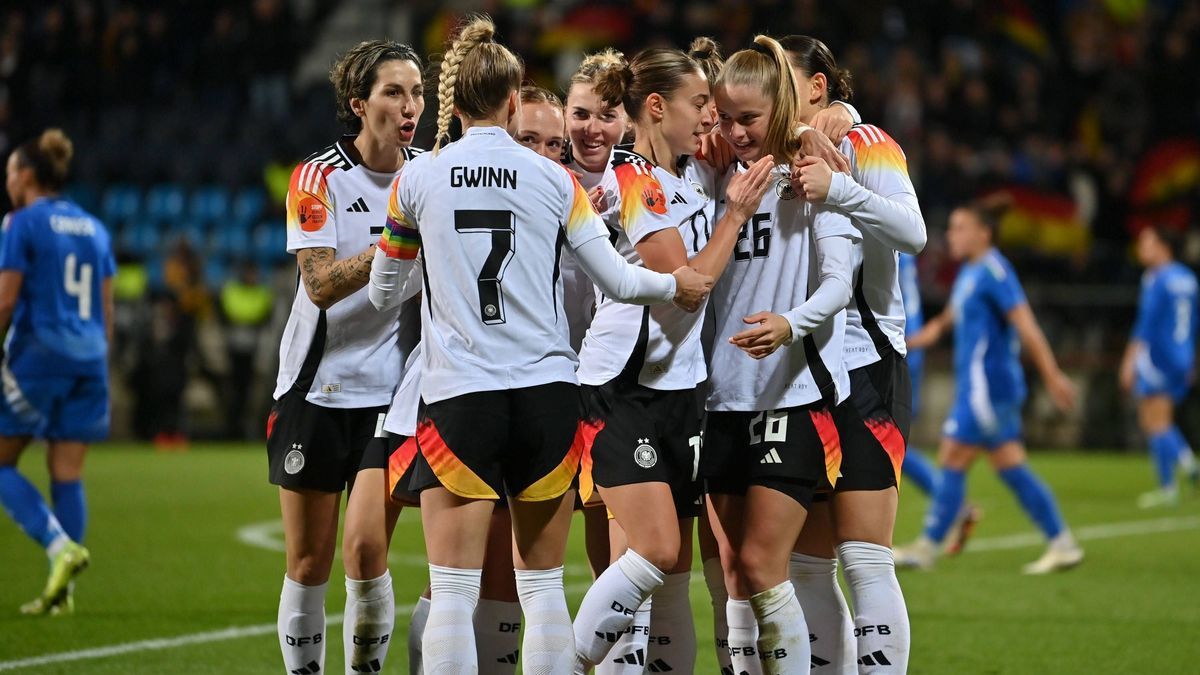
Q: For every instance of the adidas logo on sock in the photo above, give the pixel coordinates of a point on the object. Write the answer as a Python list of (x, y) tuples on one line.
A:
[(772, 457), (875, 658), (678, 199), (509, 658), (359, 206), (373, 667), (817, 661), (610, 637), (637, 658), (659, 666), (310, 669)]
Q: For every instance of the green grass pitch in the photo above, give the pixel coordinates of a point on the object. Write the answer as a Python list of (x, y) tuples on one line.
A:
[(168, 564)]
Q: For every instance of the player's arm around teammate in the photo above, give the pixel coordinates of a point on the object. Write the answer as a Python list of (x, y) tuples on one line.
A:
[(328, 407), (56, 268)]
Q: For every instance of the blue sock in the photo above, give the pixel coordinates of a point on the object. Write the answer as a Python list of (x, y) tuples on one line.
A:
[(922, 472), (70, 507), (1165, 453), (947, 500), (25, 505), (1036, 498)]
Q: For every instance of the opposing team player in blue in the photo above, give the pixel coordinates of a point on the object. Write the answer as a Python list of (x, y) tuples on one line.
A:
[(1158, 363), (991, 321), (56, 269)]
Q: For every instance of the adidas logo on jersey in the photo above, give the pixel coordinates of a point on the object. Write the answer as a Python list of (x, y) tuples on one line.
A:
[(359, 206), (772, 457), (678, 199), (637, 658)]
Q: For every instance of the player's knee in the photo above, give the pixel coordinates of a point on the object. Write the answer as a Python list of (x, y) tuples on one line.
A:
[(364, 553), (754, 567), (662, 552), (309, 569)]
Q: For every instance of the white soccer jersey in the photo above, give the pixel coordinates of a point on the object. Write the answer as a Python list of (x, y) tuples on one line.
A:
[(579, 295), (660, 343), (880, 200), (335, 202), (492, 217), (402, 414), (774, 269)]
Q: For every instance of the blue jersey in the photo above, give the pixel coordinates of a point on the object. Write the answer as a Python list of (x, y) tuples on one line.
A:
[(987, 363), (914, 319), (1166, 321), (64, 254)]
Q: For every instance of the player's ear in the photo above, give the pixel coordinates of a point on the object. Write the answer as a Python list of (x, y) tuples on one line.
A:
[(655, 105), (514, 104), (358, 107), (818, 85)]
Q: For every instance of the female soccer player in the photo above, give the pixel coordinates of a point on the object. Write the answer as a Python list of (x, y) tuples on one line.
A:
[(1157, 367), (640, 367), (56, 302), (873, 423), (991, 321), (769, 437), (328, 407), (500, 404)]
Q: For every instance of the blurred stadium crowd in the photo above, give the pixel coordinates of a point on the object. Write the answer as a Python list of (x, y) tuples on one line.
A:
[(1078, 117)]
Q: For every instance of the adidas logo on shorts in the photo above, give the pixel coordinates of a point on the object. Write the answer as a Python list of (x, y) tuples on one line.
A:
[(772, 457)]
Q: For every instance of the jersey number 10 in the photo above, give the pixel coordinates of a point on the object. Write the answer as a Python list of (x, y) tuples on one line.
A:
[(79, 286), (501, 226)]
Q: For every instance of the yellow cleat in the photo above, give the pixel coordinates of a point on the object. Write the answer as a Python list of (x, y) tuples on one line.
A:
[(65, 566)]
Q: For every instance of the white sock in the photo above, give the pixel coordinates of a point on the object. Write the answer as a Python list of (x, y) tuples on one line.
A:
[(1187, 460), (59, 542), (609, 606), (416, 631), (714, 578), (628, 654), (301, 627), (367, 626), (742, 637), (497, 636), (548, 647), (830, 628), (448, 645), (672, 628), (782, 631), (880, 616)]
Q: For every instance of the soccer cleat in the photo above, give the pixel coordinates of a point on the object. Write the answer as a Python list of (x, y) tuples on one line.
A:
[(921, 554), (964, 525), (1159, 498), (1062, 554), (40, 606), (65, 566)]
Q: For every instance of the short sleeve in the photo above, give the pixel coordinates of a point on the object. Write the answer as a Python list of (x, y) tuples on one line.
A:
[(311, 216), (108, 262), (1003, 286), (14, 247), (581, 222), (400, 238), (643, 210)]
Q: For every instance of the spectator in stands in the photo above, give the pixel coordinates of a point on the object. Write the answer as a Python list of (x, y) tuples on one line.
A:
[(246, 305)]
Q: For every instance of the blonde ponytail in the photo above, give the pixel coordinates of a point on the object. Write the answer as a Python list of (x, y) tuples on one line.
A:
[(477, 75)]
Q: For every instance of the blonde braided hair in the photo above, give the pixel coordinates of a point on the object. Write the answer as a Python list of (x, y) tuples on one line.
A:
[(475, 81)]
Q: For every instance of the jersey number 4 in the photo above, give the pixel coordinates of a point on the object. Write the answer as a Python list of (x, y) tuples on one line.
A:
[(79, 287), (501, 227)]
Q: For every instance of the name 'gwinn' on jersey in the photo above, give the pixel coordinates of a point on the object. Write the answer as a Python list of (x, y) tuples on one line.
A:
[(774, 269), (987, 366), (875, 315), (64, 255), (344, 356), (493, 217), (1166, 322), (661, 343)]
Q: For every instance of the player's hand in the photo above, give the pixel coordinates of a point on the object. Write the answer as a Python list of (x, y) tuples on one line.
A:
[(746, 190), (770, 332), (816, 144), (596, 197), (1062, 392), (811, 177), (716, 151), (691, 288), (833, 122)]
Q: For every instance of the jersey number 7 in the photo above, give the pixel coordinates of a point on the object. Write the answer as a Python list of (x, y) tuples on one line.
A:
[(501, 226)]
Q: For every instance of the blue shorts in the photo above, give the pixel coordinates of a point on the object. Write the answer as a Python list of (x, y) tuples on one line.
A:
[(55, 408), (1154, 381), (988, 425), (916, 368)]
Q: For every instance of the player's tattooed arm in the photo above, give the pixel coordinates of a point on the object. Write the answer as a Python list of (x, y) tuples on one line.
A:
[(327, 280)]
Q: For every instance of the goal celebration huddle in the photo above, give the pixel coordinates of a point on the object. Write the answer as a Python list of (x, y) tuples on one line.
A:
[(672, 302)]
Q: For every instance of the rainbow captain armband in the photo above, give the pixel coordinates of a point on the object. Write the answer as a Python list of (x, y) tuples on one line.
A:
[(399, 241)]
